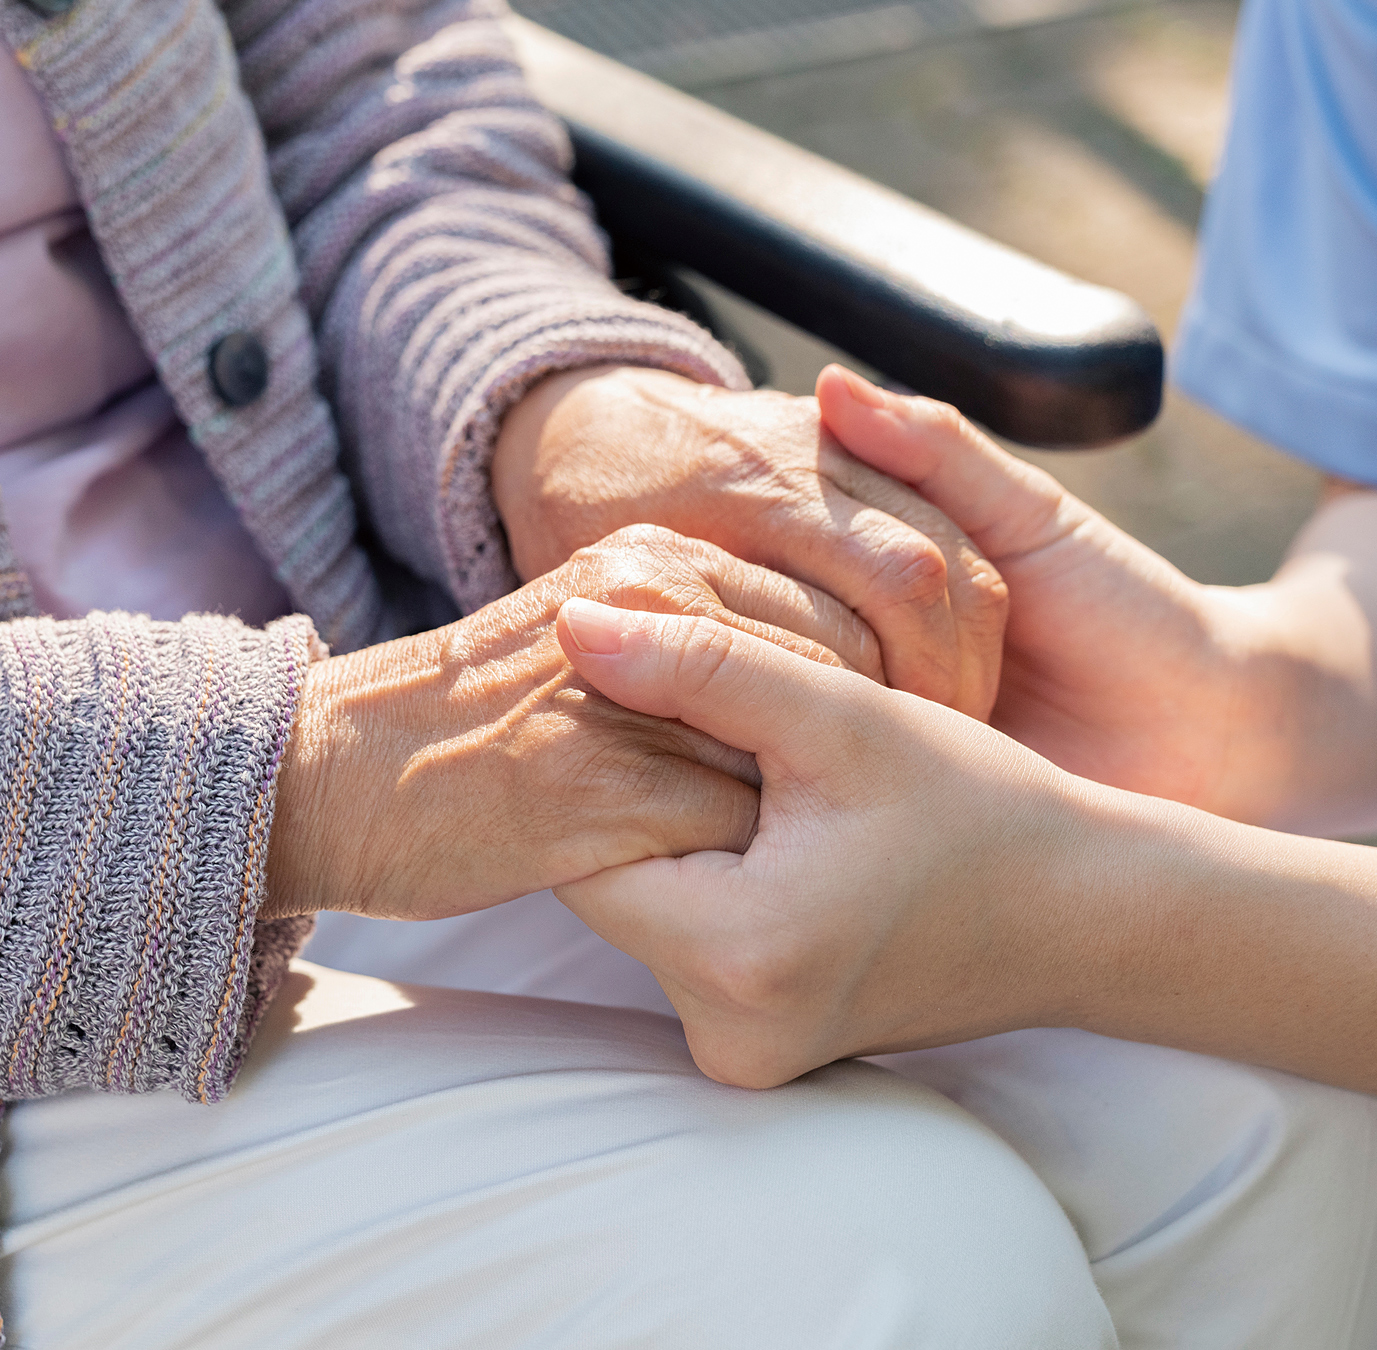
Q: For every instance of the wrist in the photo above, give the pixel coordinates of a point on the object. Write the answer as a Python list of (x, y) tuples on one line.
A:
[(1229, 940), (551, 481), (521, 444), (1070, 878), (1129, 896), (1116, 906), (1242, 696), (297, 843), (1297, 747)]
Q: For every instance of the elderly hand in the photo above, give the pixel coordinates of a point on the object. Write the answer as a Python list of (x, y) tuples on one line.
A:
[(918, 879), (453, 770), (1252, 702), (589, 451)]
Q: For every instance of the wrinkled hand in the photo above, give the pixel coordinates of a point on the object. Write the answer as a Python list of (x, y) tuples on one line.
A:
[(590, 451), (892, 897), (453, 770), (1116, 665)]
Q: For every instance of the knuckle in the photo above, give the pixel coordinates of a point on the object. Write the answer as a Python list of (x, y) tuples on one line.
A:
[(912, 573), (864, 646), (988, 591), (943, 418), (610, 776), (645, 567), (700, 661), (646, 535), (641, 537)]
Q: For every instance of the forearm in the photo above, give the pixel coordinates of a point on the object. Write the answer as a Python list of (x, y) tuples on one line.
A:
[(1223, 938), (1308, 675)]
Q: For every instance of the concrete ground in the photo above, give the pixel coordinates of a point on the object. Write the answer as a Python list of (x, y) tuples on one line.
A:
[(1086, 141)]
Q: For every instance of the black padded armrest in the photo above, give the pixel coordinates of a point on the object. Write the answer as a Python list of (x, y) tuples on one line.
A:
[(1032, 353)]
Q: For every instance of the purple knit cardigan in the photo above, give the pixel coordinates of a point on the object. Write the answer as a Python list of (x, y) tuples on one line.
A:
[(366, 187)]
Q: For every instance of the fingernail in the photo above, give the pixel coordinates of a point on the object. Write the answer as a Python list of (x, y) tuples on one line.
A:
[(862, 390), (596, 629)]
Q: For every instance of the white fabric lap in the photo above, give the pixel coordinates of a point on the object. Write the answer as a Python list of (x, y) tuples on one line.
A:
[(1188, 1179), (430, 1168), (533, 946), (1221, 1205)]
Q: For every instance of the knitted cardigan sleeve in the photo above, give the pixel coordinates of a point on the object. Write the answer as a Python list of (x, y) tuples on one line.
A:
[(446, 260), (139, 765)]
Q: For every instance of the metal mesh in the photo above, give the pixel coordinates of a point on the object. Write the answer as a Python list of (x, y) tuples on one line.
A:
[(701, 42), (624, 28)]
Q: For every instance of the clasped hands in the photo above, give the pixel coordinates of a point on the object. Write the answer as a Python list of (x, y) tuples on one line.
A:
[(463, 767), (912, 876)]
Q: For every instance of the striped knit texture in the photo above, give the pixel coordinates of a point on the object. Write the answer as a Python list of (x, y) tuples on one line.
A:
[(141, 763), (169, 163), (405, 238), (441, 265), (445, 257)]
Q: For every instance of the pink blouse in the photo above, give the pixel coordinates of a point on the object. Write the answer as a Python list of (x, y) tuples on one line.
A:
[(109, 504)]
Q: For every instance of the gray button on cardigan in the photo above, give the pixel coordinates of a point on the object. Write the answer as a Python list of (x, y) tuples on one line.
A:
[(367, 188)]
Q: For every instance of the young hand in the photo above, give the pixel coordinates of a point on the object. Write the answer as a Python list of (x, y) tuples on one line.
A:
[(891, 896), (918, 878), (1253, 702)]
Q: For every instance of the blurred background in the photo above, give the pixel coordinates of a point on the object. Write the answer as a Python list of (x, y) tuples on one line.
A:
[(1082, 132)]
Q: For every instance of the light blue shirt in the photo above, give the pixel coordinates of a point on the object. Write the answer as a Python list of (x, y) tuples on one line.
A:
[(1280, 333)]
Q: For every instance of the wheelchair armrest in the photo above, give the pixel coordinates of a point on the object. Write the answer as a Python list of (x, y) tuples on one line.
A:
[(1032, 353)]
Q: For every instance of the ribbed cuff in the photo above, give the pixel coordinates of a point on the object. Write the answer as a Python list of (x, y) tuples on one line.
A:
[(141, 763)]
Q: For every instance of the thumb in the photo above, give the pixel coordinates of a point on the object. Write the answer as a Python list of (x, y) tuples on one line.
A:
[(1003, 504), (739, 688)]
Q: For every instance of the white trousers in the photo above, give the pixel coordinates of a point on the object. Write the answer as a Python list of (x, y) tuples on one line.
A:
[(421, 1167)]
